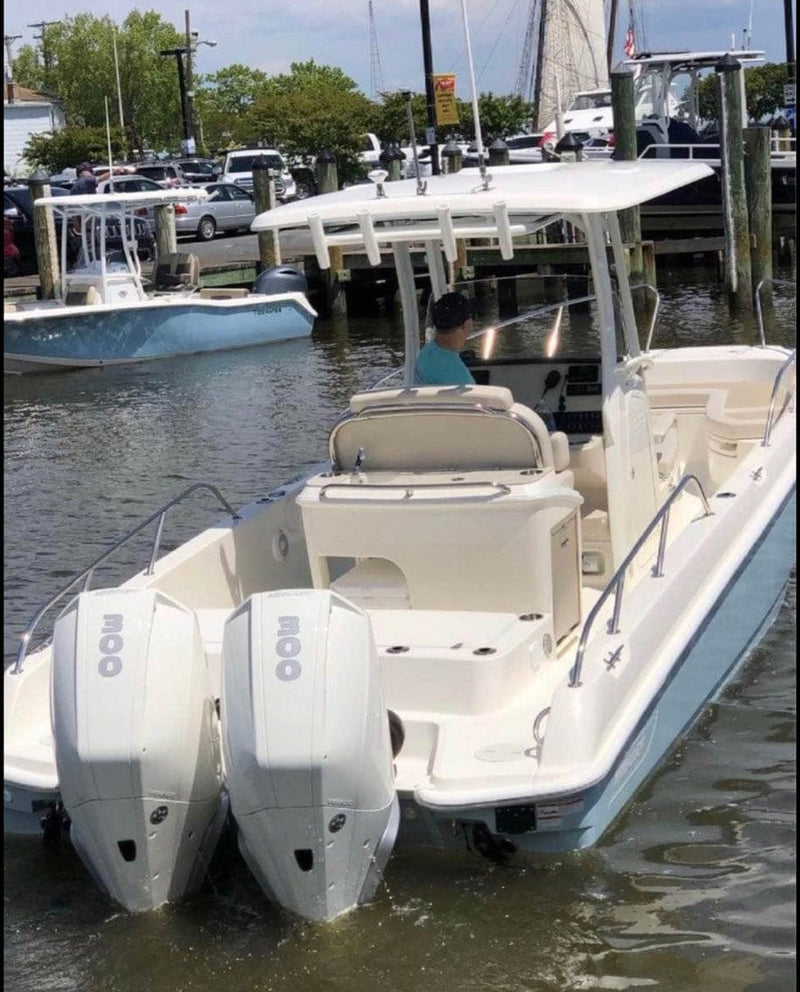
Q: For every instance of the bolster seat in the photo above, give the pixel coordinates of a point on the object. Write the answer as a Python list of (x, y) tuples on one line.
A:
[(460, 428)]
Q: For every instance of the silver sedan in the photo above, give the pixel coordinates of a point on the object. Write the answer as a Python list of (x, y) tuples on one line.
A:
[(227, 208)]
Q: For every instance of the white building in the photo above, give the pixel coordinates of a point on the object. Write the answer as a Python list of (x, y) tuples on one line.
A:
[(26, 112)]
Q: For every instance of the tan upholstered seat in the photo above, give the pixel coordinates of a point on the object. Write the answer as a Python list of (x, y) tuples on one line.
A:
[(430, 428)]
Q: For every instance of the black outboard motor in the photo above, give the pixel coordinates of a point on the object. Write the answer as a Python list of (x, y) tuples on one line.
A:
[(280, 279)]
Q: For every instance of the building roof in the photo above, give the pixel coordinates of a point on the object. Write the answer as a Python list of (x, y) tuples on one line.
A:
[(23, 95)]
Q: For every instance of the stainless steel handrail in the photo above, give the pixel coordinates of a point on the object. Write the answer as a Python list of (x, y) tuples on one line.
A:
[(790, 361), (616, 584), (759, 313), (86, 575), (501, 489)]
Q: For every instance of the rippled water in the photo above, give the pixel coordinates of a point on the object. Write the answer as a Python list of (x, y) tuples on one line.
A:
[(693, 888)]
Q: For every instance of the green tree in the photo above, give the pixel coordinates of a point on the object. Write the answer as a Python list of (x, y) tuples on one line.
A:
[(62, 150), (309, 109), (763, 86), (221, 102), (81, 73)]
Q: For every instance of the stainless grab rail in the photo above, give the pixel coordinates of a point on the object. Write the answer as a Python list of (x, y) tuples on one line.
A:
[(86, 575), (500, 489), (616, 584), (759, 313), (790, 361)]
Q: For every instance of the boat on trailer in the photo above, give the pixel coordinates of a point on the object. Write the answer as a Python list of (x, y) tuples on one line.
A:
[(465, 626), (107, 313)]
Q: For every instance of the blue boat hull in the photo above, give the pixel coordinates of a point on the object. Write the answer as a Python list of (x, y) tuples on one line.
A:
[(54, 339)]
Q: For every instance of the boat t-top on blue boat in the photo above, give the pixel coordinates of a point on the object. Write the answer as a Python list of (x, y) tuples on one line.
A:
[(466, 626), (106, 313)]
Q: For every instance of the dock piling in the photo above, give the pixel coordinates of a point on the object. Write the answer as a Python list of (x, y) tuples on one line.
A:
[(44, 236), (166, 235), (269, 245), (758, 184), (738, 271), (625, 150)]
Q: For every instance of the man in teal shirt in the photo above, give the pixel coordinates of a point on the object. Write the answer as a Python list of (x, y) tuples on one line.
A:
[(439, 362)]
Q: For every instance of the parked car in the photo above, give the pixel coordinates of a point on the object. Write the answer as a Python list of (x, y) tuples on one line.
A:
[(228, 207), (167, 174), (200, 171), (238, 168), (133, 183)]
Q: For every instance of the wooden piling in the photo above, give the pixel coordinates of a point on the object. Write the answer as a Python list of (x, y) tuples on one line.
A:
[(451, 157), (738, 271), (325, 169), (391, 159), (269, 245), (758, 185), (624, 111), (44, 237), (166, 236), (498, 152)]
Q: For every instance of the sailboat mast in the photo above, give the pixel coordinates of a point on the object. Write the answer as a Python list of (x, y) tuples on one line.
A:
[(612, 30), (537, 85)]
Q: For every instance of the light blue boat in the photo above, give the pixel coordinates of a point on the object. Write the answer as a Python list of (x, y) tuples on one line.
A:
[(105, 314)]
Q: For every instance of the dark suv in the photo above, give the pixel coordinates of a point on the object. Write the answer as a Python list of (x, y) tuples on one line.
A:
[(200, 171)]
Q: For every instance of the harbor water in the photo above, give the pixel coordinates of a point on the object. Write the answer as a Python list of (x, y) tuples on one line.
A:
[(692, 889)]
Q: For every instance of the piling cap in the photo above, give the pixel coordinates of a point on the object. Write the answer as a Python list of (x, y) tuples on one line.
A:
[(391, 153), (326, 156), (451, 149), (40, 176), (498, 145), (569, 143), (728, 63)]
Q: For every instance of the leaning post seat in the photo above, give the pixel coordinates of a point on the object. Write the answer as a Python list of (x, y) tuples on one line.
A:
[(430, 428), (179, 270)]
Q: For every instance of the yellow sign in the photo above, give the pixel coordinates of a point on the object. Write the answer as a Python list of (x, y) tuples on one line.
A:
[(444, 93)]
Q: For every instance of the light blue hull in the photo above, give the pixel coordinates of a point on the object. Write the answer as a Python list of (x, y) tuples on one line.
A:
[(734, 626), (52, 339)]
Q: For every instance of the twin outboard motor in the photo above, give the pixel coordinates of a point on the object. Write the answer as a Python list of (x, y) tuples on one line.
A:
[(137, 743), (280, 279), (307, 750)]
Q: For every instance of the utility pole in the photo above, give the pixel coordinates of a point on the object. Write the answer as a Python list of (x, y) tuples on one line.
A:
[(190, 143), (789, 27), (612, 30), (427, 58), (179, 53), (43, 38), (9, 40)]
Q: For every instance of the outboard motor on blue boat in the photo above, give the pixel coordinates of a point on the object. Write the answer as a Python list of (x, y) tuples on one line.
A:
[(280, 279), (307, 750), (137, 744)]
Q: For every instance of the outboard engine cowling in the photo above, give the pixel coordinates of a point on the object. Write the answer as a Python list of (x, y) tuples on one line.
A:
[(306, 747), (280, 279), (137, 743)]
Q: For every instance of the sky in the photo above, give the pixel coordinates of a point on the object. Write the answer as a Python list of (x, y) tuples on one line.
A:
[(268, 35)]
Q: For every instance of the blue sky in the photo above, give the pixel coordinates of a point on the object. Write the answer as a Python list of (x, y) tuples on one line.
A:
[(271, 35)]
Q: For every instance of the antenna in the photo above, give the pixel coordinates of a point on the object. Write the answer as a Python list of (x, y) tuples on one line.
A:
[(375, 70), (476, 116)]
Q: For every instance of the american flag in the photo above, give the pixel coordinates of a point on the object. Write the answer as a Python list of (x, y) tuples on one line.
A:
[(630, 45)]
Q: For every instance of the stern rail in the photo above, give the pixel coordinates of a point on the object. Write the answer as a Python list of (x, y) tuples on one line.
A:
[(85, 576)]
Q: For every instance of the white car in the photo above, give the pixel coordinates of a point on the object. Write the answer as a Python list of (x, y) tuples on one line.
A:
[(238, 168)]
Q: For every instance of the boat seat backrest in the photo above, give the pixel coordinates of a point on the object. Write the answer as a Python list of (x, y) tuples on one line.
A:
[(178, 270), (432, 428)]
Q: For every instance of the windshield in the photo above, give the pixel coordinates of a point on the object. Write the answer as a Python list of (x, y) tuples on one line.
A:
[(244, 163), (591, 101)]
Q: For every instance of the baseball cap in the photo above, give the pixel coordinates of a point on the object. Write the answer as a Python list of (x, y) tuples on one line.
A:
[(450, 310)]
